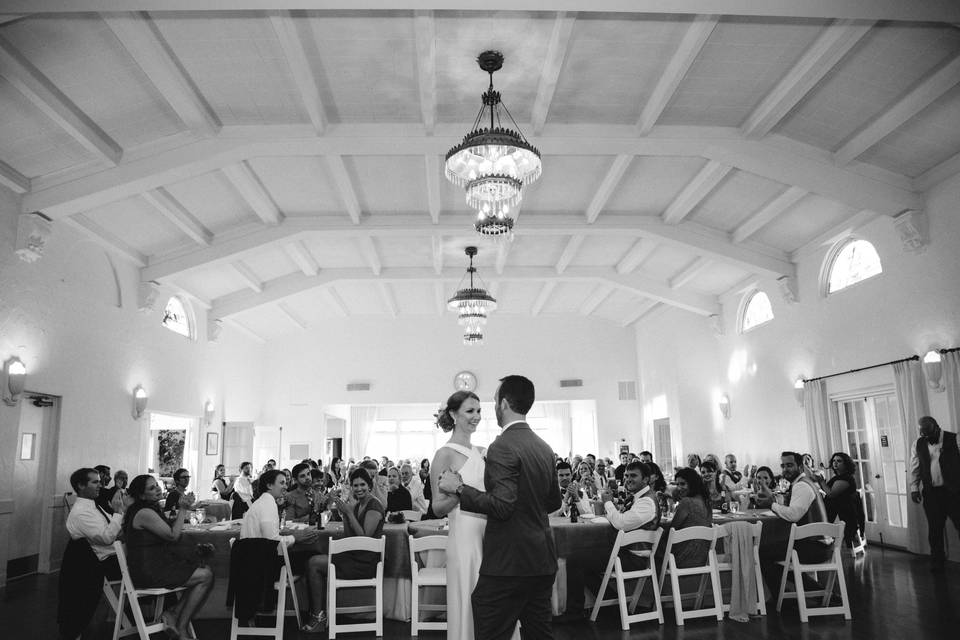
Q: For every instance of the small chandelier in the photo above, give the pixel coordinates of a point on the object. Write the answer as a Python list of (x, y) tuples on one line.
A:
[(493, 164), (472, 304)]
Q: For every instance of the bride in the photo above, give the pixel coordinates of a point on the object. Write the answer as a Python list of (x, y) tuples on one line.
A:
[(460, 417)]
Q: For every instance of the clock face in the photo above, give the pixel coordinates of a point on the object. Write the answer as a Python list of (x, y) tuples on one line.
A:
[(465, 381)]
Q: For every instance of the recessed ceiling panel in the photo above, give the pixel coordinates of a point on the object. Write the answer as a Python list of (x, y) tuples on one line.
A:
[(619, 306), (334, 253), (803, 222), (650, 184), (139, 225), (405, 251), (536, 251), (312, 306), (567, 297), (214, 201), (414, 298), (516, 297), (568, 183), (665, 261), (212, 282), (716, 278), (389, 184), (270, 264), (298, 186), (362, 297), (735, 199), (602, 251)]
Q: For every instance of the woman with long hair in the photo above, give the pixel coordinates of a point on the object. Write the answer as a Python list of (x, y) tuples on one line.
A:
[(586, 480), (712, 483), (841, 497), (693, 510), (154, 561), (223, 490), (334, 474), (765, 479)]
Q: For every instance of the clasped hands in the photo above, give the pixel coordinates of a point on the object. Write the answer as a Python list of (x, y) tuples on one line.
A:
[(450, 481)]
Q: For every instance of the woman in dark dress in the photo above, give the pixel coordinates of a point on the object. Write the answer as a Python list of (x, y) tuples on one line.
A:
[(841, 497), (693, 510), (398, 496), (154, 561), (224, 490)]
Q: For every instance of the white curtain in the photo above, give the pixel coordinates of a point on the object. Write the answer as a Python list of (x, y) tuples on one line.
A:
[(558, 415), (362, 420), (914, 403), (951, 380), (823, 429)]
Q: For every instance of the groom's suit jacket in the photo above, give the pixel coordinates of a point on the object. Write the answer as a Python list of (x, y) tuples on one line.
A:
[(521, 489)]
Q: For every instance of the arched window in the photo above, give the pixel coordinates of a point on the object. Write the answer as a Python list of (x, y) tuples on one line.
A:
[(853, 261), (175, 317), (756, 311)]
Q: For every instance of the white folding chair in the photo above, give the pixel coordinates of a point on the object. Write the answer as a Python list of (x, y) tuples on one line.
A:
[(286, 581), (724, 562), (616, 571), (705, 571), (355, 543), (834, 565), (426, 577), (111, 589), (411, 515), (129, 593)]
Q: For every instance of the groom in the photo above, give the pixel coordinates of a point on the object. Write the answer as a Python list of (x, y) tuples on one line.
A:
[(519, 555)]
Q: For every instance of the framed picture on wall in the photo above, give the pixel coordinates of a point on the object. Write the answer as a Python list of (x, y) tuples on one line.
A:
[(213, 443)]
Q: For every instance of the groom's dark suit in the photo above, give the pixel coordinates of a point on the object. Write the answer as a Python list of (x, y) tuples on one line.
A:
[(519, 554)]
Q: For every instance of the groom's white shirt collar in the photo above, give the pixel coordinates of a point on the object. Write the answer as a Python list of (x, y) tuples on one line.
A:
[(510, 424)]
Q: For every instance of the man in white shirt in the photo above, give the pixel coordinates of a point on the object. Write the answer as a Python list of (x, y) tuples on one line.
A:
[(414, 486), (732, 479), (90, 521), (641, 510)]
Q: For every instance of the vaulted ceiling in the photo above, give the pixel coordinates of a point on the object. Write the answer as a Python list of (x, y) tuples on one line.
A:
[(280, 167)]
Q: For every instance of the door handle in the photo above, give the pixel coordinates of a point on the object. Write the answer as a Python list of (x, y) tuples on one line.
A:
[(877, 476)]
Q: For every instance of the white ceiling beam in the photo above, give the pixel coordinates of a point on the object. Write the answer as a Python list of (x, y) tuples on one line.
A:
[(436, 245), (183, 292), (432, 164), (553, 62), (337, 303), (168, 206), (295, 283), (747, 284), (244, 330), (545, 292), (689, 272), (247, 184), (426, 37), (934, 176), (607, 186), (440, 297), (106, 239), (815, 63), (301, 256), (13, 179), (683, 58), (298, 61), (344, 187), (768, 212), (595, 299), (834, 234), (369, 251), (637, 254), (248, 276), (696, 191), (937, 83), (645, 307), (145, 44), (46, 97), (569, 252), (386, 293), (292, 316)]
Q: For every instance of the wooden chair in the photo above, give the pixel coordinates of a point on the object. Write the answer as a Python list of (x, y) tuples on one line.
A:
[(426, 577), (705, 571), (129, 593), (724, 563), (616, 571), (355, 543), (286, 581), (792, 564)]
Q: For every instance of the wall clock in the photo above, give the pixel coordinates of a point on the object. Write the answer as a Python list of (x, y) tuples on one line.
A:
[(465, 381)]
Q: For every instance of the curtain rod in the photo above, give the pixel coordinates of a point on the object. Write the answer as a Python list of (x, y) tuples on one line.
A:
[(872, 366), (944, 351)]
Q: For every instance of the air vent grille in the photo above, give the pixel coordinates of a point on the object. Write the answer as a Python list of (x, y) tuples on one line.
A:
[(358, 386), (573, 382), (627, 389)]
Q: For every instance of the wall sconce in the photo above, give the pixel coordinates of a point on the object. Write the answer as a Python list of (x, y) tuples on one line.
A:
[(798, 391), (933, 369), (139, 402), (15, 377), (208, 412), (724, 404)]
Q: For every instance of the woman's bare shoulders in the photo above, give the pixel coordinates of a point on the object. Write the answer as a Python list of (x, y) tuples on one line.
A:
[(446, 457)]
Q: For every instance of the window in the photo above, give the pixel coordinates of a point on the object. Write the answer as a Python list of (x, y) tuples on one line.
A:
[(175, 317), (853, 262), (756, 311)]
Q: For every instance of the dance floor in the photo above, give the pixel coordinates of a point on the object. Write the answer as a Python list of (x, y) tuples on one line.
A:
[(893, 595)]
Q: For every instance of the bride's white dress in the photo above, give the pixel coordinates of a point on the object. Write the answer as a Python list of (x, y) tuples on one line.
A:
[(465, 550)]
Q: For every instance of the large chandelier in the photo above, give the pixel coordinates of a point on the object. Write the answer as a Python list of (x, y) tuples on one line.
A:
[(493, 163), (472, 303)]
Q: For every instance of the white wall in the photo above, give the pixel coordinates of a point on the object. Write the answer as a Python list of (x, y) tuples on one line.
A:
[(414, 360), (912, 307)]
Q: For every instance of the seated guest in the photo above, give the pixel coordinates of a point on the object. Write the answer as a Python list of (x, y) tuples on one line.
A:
[(763, 478), (641, 510), (302, 501), (181, 479), (335, 473), (88, 520), (398, 497), (730, 478), (223, 490), (103, 500), (711, 481), (379, 480), (412, 483), (618, 472), (693, 462), (116, 496), (362, 516), (262, 520), (585, 479), (842, 499), (242, 490), (570, 491), (600, 474), (657, 481), (154, 561), (319, 480), (693, 510), (645, 457)]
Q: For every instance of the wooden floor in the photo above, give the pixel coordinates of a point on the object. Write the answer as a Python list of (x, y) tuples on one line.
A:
[(893, 595)]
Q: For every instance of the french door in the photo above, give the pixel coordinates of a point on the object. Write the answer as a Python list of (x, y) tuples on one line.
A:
[(875, 439)]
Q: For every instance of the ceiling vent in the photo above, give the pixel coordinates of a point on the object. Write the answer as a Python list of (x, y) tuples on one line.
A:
[(627, 389), (358, 386), (573, 382)]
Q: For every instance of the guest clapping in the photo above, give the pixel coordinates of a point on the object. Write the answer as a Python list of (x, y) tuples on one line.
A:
[(398, 497)]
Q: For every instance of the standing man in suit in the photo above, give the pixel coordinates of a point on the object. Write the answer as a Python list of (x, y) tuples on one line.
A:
[(519, 554), (935, 465)]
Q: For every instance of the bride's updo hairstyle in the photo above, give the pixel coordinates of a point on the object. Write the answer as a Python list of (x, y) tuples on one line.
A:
[(445, 416)]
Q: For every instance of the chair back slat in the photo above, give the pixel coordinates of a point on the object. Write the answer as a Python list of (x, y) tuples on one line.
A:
[(357, 543), (815, 529), (693, 533), (428, 543), (640, 536)]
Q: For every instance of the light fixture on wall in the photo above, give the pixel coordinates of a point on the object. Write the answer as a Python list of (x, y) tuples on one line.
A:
[(15, 377), (472, 304), (208, 412), (724, 404), (798, 390), (139, 401), (933, 369)]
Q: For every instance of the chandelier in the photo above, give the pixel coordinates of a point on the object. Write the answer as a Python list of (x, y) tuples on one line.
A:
[(472, 303), (493, 163)]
